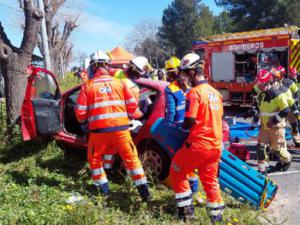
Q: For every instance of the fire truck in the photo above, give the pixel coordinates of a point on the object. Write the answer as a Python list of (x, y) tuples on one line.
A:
[(232, 60)]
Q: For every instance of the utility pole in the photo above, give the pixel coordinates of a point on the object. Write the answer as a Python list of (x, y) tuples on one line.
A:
[(44, 36)]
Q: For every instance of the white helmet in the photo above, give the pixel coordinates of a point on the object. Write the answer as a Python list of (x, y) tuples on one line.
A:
[(190, 61), (141, 64), (100, 57)]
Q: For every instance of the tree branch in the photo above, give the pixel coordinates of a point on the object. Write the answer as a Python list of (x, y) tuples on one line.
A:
[(6, 46), (33, 19)]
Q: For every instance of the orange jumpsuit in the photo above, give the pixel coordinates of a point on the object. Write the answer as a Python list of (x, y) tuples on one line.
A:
[(106, 102), (109, 156), (202, 149)]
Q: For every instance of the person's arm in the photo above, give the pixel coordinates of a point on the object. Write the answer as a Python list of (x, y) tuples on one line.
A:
[(191, 110), (81, 106), (130, 101), (284, 108), (170, 107)]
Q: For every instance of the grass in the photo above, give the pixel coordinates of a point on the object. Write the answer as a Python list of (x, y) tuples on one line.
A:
[(36, 179), (69, 81)]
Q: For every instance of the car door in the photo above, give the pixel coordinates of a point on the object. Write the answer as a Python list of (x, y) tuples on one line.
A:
[(41, 109)]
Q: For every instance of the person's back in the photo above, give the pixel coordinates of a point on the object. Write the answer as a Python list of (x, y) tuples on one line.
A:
[(105, 103), (207, 130), (105, 98)]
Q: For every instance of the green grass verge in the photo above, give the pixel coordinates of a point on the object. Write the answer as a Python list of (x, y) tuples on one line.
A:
[(37, 177), (68, 82)]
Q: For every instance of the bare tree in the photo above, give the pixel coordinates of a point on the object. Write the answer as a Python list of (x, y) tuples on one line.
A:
[(14, 61), (60, 47), (144, 40), (145, 29)]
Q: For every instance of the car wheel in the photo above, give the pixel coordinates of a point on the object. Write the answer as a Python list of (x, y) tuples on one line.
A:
[(155, 160)]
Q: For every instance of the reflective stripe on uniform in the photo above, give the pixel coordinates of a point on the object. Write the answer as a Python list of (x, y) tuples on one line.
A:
[(140, 181), (81, 107), (193, 178), (108, 157), (138, 171), (106, 103), (184, 203), (278, 118), (268, 113), (98, 171), (131, 100), (100, 181), (215, 209), (107, 116), (180, 107), (183, 194), (107, 165)]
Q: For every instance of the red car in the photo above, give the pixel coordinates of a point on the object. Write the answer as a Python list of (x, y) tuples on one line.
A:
[(47, 112)]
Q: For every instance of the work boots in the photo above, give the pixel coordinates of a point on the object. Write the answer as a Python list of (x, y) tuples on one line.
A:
[(102, 189), (186, 213), (282, 166), (144, 192)]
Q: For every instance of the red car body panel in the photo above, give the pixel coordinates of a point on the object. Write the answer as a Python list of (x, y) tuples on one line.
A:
[(29, 131), (28, 126)]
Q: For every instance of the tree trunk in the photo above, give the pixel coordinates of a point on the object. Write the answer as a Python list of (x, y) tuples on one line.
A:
[(14, 62), (15, 78)]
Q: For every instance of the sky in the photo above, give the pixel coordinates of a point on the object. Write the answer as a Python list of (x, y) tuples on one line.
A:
[(103, 24)]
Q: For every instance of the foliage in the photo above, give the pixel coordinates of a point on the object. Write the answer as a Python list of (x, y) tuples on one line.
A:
[(69, 81), (178, 25), (223, 23), (261, 14), (205, 23), (143, 40)]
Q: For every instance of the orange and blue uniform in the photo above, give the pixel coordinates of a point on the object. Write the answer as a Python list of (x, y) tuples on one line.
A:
[(202, 149), (106, 102), (175, 110)]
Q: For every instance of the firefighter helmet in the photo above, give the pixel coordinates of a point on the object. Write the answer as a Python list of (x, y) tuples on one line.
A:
[(172, 64), (264, 76), (292, 72), (140, 64), (190, 61), (281, 70), (99, 57)]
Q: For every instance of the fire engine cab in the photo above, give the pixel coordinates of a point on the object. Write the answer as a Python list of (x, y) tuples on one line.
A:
[(232, 60)]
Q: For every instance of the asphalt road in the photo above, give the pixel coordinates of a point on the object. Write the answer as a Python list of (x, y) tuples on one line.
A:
[(285, 207)]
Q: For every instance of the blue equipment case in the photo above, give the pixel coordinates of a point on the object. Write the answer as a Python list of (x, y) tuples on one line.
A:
[(250, 131), (236, 177)]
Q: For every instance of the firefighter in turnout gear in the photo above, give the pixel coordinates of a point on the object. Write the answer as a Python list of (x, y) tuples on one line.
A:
[(292, 93), (175, 108), (105, 103), (203, 147), (273, 110)]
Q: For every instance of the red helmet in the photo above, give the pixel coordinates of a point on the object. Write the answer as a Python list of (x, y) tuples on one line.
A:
[(292, 72), (264, 76), (282, 70)]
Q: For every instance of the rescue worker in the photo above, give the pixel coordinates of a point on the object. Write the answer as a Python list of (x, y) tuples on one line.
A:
[(293, 94), (175, 94), (106, 102), (273, 110), (203, 147), (137, 67)]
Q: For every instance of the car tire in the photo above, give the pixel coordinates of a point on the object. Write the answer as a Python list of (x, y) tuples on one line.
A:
[(155, 160)]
